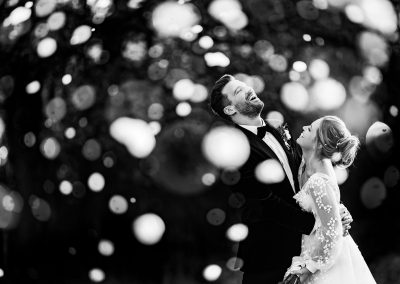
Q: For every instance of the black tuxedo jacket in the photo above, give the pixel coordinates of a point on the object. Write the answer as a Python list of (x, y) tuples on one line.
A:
[(274, 219)]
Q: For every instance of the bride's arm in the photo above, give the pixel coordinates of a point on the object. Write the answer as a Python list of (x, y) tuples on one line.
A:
[(330, 234)]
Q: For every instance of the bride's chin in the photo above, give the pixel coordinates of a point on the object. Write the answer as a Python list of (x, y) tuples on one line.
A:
[(299, 142)]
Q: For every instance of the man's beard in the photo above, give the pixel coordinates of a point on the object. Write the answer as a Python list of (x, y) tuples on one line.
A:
[(248, 109)]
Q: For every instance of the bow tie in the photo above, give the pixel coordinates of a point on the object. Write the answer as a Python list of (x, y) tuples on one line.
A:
[(261, 131)]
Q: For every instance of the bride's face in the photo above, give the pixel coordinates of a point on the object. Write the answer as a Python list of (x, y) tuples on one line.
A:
[(307, 139)]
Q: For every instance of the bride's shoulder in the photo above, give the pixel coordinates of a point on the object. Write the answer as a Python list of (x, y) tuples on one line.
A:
[(322, 183), (317, 179), (321, 180)]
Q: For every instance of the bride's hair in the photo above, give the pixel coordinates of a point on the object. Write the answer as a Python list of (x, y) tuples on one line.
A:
[(336, 142)]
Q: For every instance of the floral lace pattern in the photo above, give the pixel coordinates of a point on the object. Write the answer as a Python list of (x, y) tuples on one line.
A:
[(320, 196)]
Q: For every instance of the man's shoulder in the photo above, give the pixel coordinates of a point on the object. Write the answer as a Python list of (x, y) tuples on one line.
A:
[(243, 129)]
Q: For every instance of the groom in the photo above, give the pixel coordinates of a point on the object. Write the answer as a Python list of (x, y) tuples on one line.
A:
[(275, 221)]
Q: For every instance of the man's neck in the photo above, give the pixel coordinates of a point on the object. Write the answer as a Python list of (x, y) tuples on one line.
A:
[(245, 120)]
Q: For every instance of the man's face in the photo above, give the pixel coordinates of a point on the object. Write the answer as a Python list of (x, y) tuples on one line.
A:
[(243, 98)]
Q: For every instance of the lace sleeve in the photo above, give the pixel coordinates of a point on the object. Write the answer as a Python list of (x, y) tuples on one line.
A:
[(329, 233)]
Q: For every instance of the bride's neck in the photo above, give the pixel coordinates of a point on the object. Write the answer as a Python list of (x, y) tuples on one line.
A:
[(312, 163)]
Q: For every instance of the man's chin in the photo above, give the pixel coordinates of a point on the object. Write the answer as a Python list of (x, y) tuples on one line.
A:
[(260, 107), (251, 109)]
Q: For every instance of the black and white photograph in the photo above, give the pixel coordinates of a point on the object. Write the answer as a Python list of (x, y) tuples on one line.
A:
[(199, 141)]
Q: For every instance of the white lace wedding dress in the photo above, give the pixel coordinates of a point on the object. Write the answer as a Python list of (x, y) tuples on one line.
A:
[(332, 258)]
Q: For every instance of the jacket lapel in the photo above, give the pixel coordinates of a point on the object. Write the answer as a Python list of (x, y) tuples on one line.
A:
[(278, 137), (258, 144), (289, 153)]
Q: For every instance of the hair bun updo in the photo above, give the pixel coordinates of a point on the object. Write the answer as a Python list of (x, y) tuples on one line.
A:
[(336, 142), (347, 147)]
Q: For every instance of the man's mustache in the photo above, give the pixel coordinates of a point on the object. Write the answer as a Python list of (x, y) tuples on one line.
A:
[(249, 94)]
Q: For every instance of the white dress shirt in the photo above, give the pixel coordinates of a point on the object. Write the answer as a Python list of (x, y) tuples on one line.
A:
[(276, 147)]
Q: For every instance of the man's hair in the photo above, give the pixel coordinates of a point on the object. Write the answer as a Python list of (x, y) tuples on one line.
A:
[(219, 101)]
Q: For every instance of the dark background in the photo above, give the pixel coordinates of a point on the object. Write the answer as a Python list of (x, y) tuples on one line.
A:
[(64, 247)]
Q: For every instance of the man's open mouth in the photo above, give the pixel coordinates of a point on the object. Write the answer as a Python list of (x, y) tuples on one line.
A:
[(252, 97)]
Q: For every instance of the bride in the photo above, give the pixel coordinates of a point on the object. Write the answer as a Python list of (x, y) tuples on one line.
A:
[(326, 256)]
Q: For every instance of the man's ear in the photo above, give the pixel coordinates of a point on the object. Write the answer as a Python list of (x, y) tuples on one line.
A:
[(229, 110)]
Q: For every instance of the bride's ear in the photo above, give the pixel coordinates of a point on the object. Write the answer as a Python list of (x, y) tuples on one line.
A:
[(229, 110), (317, 146)]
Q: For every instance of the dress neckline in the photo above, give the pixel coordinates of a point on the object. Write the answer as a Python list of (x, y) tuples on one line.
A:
[(302, 166), (314, 174), (329, 179)]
